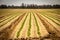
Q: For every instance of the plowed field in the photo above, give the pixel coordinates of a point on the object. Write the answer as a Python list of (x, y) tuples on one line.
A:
[(30, 24)]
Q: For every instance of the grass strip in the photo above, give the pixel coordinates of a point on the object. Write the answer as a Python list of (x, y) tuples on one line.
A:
[(36, 25), (53, 16), (8, 20), (50, 19), (18, 33), (28, 33)]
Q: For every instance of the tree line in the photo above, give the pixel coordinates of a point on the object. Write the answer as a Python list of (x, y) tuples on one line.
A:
[(34, 6)]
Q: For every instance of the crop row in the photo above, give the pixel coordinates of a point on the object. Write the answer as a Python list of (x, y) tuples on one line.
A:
[(18, 33), (51, 19), (28, 33), (7, 20), (37, 25)]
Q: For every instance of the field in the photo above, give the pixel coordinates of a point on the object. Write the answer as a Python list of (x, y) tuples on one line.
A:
[(30, 24)]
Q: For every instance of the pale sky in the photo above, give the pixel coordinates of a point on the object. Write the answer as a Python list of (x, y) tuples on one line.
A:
[(39, 2)]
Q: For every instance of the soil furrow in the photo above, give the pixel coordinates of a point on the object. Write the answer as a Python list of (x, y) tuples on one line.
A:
[(7, 31), (49, 26)]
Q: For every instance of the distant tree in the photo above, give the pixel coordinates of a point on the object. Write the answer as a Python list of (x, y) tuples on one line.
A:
[(22, 5), (56, 6), (3, 6), (30, 6)]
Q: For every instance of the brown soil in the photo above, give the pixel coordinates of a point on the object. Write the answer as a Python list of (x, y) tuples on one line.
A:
[(52, 31), (5, 33)]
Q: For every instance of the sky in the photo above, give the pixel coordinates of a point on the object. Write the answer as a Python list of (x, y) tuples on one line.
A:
[(38, 2)]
